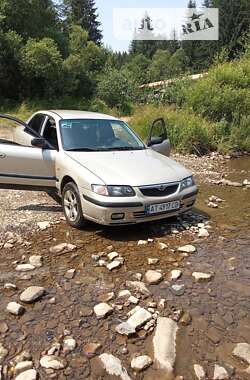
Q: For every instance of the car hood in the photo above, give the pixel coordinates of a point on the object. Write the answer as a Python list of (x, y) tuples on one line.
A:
[(134, 168)]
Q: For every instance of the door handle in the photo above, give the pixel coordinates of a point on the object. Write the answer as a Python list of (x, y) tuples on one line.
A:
[(2, 155)]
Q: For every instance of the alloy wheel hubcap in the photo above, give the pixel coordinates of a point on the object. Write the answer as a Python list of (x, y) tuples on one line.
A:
[(70, 205)]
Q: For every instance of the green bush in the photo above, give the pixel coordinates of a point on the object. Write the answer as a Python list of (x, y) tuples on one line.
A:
[(224, 93)]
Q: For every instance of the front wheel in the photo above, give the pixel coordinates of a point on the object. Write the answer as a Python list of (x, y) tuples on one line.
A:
[(72, 205)]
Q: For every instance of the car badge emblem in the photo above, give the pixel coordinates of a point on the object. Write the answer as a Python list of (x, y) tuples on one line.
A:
[(162, 188)]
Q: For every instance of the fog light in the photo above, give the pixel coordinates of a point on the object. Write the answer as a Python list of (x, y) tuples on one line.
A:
[(117, 216)]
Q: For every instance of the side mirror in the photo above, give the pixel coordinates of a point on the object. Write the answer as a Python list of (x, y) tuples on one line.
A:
[(155, 141), (39, 143)]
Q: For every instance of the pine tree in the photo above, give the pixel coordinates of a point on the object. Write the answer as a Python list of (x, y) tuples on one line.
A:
[(84, 13)]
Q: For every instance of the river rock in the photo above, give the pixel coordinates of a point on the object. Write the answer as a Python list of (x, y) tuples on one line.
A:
[(242, 351), (133, 300), (246, 182), (152, 261), (63, 247), (202, 277), (3, 352), (125, 328), (142, 242), (113, 265), (178, 289), (36, 261), (32, 294), (220, 373), (70, 274), (102, 310), (43, 225), (23, 366), (15, 308), (203, 232), (113, 366), (112, 255), (164, 343), (69, 344), (139, 286), (153, 277), (24, 267), (162, 246), (30, 374), (8, 285), (124, 293), (52, 362), (199, 372), (3, 327), (90, 349), (141, 362), (187, 249), (175, 274), (139, 318)]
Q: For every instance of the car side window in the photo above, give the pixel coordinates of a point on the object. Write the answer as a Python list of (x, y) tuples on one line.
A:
[(36, 123), (50, 133)]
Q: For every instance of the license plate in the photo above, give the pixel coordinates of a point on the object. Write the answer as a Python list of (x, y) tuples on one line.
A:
[(162, 207)]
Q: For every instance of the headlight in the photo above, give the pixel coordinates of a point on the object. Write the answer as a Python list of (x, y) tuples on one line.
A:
[(187, 182), (113, 191)]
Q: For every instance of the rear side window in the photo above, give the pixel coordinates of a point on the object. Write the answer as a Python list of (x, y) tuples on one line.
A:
[(36, 122)]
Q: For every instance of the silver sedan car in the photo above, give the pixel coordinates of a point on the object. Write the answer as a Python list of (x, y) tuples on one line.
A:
[(99, 167)]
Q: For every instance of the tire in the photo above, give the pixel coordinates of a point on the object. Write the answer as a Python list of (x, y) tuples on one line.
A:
[(72, 206)]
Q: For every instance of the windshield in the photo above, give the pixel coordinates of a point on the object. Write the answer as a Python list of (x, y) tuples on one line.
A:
[(98, 135)]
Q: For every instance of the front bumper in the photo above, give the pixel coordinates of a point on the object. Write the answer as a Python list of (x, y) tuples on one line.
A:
[(102, 209)]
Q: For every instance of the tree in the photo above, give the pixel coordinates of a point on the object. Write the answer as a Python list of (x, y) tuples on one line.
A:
[(160, 68), (41, 64), (29, 19), (178, 62), (116, 89), (138, 67), (84, 13), (10, 75), (83, 64)]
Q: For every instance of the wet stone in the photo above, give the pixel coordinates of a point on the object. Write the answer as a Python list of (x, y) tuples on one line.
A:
[(140, 363), (113, 366), (125, 328), (139, 318), (23, 366), (24, 267), (30, 374), (153, 277), (36, 261), (90, 349), (178, 290), (199, 372), (242, 351), (220, 373), (52, 362), (213, 335), (3, 327), (32, 294), (175, 274), (187, 249), (102, 310), (15, 308)]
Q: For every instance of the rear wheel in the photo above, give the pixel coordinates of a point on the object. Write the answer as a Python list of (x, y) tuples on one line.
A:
[(72, 205)]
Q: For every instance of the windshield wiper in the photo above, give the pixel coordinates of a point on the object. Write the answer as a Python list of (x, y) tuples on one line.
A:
[(81, 150), (124, 148)]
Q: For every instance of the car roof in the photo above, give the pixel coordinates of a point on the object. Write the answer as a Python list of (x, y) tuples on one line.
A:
[(74, 114)]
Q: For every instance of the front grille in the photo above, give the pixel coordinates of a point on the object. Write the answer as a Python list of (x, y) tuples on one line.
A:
[(159, 190)]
